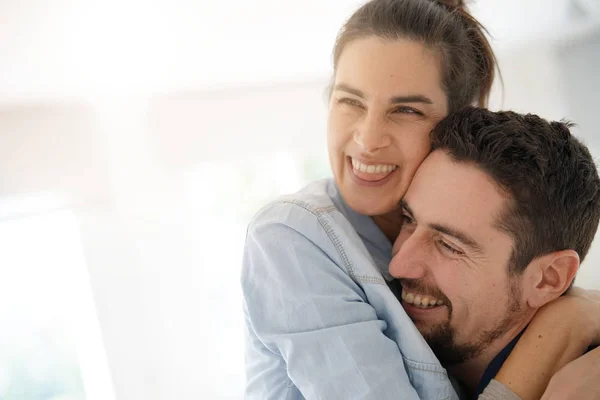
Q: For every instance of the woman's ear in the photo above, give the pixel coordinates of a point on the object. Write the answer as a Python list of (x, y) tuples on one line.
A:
[(551, 276)]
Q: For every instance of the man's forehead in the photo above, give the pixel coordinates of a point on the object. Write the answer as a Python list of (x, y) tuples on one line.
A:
[(458, 194)]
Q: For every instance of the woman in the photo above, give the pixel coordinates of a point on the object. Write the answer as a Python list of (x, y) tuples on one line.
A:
[(321, 321)]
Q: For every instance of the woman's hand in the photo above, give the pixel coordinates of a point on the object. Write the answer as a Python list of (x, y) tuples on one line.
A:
[(578, 380), (589, 309), (560, 332)]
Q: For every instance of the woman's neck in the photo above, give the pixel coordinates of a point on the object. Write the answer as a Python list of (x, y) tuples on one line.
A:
[(390, 224)]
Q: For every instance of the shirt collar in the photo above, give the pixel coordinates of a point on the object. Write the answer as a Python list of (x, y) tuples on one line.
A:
[(496, 364), (366, 228)]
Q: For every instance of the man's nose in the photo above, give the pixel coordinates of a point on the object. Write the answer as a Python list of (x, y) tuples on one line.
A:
[(409, 261)]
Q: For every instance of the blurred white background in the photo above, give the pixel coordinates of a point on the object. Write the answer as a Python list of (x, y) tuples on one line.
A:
[(137, 138)]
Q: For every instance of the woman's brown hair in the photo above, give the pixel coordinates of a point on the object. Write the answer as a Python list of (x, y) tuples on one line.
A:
[(446, 26)]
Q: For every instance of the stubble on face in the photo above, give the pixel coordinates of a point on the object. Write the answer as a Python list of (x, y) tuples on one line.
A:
[(443, 337)]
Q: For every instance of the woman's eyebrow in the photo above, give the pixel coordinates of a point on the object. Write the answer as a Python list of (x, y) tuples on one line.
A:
[(412, 98)]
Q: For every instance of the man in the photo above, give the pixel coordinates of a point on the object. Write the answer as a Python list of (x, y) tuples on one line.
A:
[(497, 220)]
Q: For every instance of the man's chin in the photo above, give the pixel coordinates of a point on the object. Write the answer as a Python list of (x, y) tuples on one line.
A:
[(442, 340), (431, 330)]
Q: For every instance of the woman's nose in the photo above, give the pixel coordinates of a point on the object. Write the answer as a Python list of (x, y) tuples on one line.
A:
[(371, 136)]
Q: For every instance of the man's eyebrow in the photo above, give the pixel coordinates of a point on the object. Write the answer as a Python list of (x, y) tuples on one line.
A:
[(460, 236), (446, 230), (413, 98)]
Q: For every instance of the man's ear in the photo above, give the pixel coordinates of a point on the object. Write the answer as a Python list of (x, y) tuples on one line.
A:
[(551, 276)]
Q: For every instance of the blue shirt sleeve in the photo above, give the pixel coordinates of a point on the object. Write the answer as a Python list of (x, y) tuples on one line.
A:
[(309, 327)]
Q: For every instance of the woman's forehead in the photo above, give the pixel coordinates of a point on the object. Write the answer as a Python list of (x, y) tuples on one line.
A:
[(390, 67)]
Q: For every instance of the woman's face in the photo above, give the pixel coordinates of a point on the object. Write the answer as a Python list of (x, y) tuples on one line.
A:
[(386, 98)]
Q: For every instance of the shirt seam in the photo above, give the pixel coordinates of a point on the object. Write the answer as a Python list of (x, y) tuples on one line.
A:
[(320, 213)]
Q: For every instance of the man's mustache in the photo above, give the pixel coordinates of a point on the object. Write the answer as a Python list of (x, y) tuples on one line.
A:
[(418, 285)]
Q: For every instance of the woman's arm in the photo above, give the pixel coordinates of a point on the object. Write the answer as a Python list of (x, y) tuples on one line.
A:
[(578, 380), (309, 326), (560, 332)]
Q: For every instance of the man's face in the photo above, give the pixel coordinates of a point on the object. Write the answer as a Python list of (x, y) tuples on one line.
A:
[(451, 256)]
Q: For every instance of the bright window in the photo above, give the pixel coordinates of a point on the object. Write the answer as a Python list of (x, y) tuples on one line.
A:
[(50, 342)]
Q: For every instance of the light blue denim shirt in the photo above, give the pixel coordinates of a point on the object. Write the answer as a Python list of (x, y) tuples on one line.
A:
[(321, 322)]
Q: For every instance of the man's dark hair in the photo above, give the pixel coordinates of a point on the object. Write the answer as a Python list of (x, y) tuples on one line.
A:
[(549, 176)]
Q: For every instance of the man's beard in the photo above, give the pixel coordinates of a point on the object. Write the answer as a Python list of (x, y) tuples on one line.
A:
[(442, 337)]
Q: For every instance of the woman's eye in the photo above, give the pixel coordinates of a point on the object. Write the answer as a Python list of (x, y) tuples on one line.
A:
[(406, 110), (350, 102), (449, 248)]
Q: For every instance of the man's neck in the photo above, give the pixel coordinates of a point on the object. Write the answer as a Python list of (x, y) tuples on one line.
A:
[(470, 372)]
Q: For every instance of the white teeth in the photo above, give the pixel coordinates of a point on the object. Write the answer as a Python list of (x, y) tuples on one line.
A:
[(420, 301), (373, 169)]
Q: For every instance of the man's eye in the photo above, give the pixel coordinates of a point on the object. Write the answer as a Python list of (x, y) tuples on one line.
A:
[(449, 248), (408, 219)]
